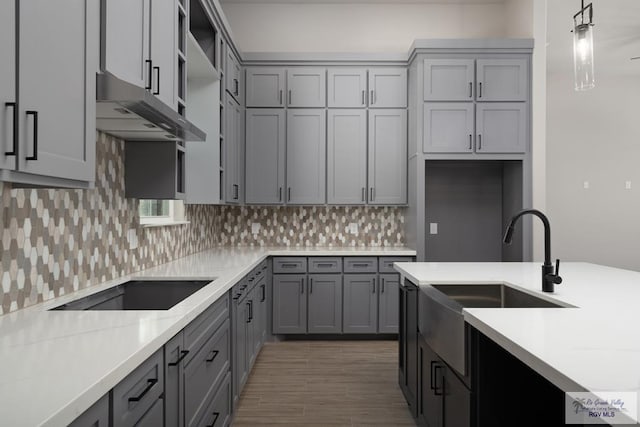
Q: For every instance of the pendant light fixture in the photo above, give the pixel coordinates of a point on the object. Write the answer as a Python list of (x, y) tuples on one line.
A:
[(583, 48)]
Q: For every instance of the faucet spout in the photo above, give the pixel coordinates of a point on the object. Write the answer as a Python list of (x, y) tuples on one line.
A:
[(549, 277)]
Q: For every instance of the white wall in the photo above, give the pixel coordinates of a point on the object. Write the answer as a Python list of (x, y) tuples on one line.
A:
[(594, 136), (357, 27)]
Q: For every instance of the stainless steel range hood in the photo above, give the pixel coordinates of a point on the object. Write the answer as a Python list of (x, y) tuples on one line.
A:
[(134, 114)]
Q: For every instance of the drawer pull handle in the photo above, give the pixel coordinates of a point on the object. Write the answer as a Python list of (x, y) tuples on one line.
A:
[(288, 265), (360, 265), (150, 384), (382, 286), (183, 354), (215, 418), (326, 264), (213, 354)]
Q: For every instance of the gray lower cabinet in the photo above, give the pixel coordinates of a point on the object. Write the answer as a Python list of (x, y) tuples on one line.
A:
[(306, 156), (153, 417), (325, 304), (289, 304), (387, 157), (265, 156), (96, 416), (347, 157), (174, 355), (135, 397), (240, 348), (388, 303), (360, 303), (218, 413)]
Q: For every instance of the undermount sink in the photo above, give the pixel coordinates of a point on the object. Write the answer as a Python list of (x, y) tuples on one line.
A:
[(495, 295), (441, 319), (138, 295)]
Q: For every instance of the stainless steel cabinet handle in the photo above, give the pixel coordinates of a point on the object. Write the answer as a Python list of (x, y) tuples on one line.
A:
[(470, 89), (373, 282), (14, 149), (35, 134), (480, 92), (363, 101), (310, 285), (479, 142), (371, 195), (280, 194), (280, 96), (372, 99), (289, 195), (470, 141), (289, 96), (157, 70), (382, 286), (364, 194), (302, 286)]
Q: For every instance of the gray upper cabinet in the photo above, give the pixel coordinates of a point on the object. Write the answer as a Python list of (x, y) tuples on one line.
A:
[(233, 76), (164, 45), (7, 83), (265, 156), (448, 127), (360, 304), (388, 87), (449, 79), (306, 87), (501, 127), (56, 113), (265, 87), (347, 88), (388, 303), (502, 80), (233, 151), (126, 40), (325, 304), (306, 158), (289, 304), (387, 157), (347, 157)]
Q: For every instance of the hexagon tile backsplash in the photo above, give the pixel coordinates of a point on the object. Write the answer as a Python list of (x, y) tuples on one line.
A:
[(57, 241)]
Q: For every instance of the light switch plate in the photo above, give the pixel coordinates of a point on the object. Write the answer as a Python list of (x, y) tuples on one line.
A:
[(255, 228), (433, 228), (353, 228)]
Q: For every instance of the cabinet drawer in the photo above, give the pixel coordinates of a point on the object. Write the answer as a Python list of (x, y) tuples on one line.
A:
[(325, 265), (206, 369), (360, 265), (289, 265), (218, 413), (202, 327), (136, 394), (385, 264)]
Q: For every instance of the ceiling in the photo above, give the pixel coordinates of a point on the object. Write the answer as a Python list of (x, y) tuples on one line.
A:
[(366, 1)]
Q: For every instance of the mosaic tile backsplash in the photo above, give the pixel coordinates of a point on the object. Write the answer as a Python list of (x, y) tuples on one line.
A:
[(57, 241)]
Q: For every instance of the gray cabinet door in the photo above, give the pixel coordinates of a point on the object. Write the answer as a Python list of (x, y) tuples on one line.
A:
[(154, 417), (265, 156), (325, 303), (387, 157), (388, 87), (448, 127), (501, 127), (388, 303), (360, 302), (289, 304), (306, 156), (233, 150), (347, 157), (347, 87), (164, 45), (96, 416), (502, 80), (449, 79), (125, 40), (7, 83), (54, 141), (265, 87), (306, 87), (174, 355)]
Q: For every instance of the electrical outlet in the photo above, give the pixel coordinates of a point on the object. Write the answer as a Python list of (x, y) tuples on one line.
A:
[(627, 185), (585, 185), (255, 228), (433, 228), (353, 228)]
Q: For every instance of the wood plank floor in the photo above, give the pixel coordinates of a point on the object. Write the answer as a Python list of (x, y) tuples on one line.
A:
[(324, 383)]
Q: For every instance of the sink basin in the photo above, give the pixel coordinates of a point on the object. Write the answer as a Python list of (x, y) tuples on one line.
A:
[(495, 295), (138, 295)]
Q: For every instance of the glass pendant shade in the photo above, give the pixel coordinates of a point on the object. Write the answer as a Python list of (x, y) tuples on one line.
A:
[(583, 56)]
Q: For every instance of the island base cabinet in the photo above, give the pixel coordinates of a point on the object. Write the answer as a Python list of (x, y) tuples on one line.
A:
[(408, 342), (153, 417), (218, 413), (95, 416)]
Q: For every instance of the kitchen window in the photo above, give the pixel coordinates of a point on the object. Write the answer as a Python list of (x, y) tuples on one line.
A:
[(160, 213)]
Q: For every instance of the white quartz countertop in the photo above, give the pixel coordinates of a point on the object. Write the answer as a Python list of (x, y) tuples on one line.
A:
[(55, 364), (593, 347)]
